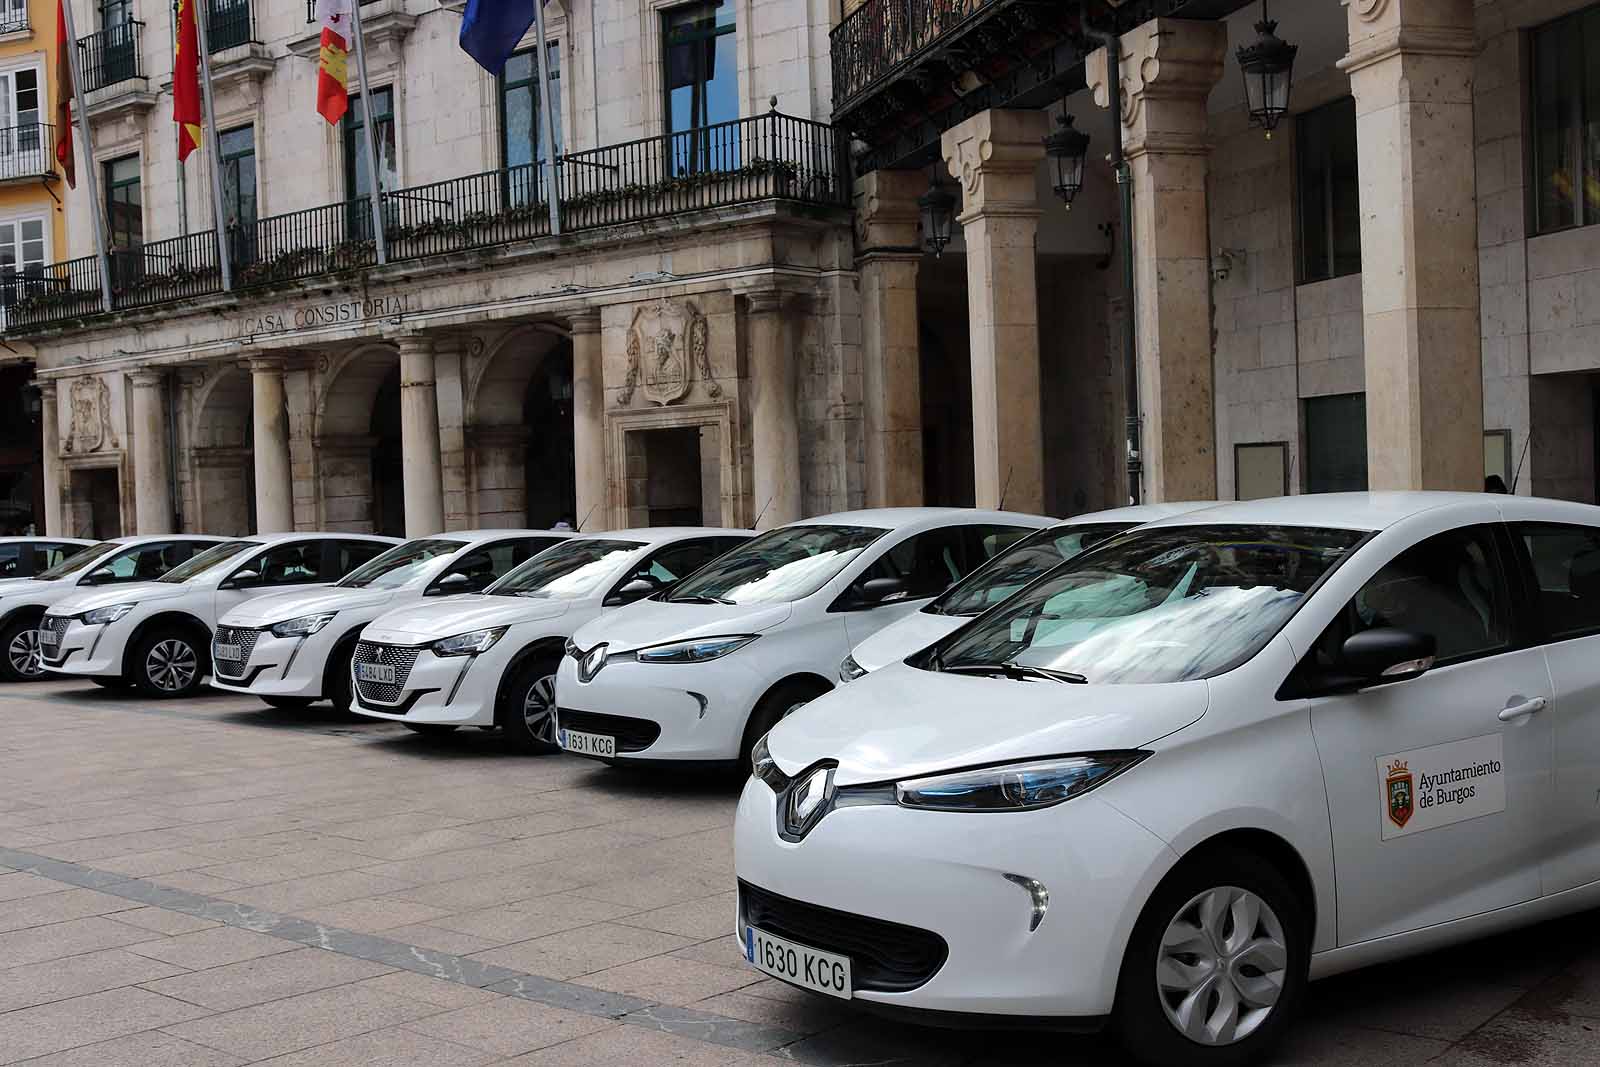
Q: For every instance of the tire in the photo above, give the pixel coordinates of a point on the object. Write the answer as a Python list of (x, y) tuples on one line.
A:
[(430, 729), (112, 683), (19, 651), (337, 673), (783, 701), (526, 708), (288, 703), (169, 662), (1176, 957)]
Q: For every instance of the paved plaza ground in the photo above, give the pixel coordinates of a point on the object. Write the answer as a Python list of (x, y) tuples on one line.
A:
[(212, 883)]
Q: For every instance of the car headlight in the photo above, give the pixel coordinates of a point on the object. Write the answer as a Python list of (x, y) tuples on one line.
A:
[(102, 616), (699, 650), (1015, 786), (571, 649), (304, 626), (850, 670), (764, 767), (468, 644)]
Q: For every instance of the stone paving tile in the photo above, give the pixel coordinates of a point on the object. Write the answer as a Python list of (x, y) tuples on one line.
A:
[(386, 1048), (429, 990), (720, 951), (372, 914), (1328, 1045), (582, 951), (39, 943), (463, 894), (376, 829), (146, 864), (257, 981), (440, 939), (508, 1027), (76, 976), (20, 884), (58, 907), (414, 846), (149, 1049), (704, 918), (809, 1015), (1391, 1000), (670, 981), (298, 894), (79, 829), (162, 921), (302, 1021), (306, 863), (198, 882), (64, 1024), (213, 948), (634, 1045), (524, 920)]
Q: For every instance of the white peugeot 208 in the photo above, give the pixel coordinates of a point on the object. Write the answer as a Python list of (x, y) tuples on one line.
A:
[(156, 636), (490, 660), (292, 649), (1201, 763), (696, 675)]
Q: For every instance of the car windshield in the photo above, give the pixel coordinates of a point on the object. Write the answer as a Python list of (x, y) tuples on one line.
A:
[(1161, 605), (197, 565), (1020, 564), (569, 571), (780, 566), (399, 565), (79, 563)]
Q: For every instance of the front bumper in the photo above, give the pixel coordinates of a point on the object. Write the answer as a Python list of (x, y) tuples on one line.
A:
[(696, 712), (85, 651), (272, 666), (944, 873), (438, 690)]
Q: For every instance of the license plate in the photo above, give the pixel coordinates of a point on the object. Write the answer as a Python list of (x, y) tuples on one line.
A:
[(229, 652), (381, 673), (588, 744), (809, 968), (49, 637)]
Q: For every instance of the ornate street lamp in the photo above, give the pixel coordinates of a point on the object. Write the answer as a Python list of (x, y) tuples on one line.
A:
[(938, 206), (1067, 149), (1268, 67)]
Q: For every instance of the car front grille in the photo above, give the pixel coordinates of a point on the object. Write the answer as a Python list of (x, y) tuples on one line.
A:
[(57, 623), (633, 735), (883, 955), (232, 635), (401, 659), (57, 653)]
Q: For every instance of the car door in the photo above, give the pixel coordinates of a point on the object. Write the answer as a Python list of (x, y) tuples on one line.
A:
[(667, 566), (282, 566), (143, 563), (1437, 787), (476, 570)]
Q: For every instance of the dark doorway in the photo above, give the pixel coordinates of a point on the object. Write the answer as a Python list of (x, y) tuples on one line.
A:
[(388, 461), (1336, 443), (547, 407), (21, 454), (97, 504), (664, 477)]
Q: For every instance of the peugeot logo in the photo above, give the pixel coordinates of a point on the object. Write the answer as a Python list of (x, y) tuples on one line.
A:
[(590, 664)]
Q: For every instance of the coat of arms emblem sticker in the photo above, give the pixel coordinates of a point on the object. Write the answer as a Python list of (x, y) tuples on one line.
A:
[(1399, 793)]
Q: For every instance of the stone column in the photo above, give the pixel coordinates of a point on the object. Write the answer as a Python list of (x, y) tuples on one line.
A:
[(891, 371), (774, 413), (588, 421), (54, 476), (1410, 67), (152, 481), (419, 437), (270, 447), (1169, 67), (995, 155)]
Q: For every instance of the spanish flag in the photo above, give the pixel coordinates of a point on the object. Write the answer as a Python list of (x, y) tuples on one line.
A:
[(333, 93), (64, 91), (186, 109)]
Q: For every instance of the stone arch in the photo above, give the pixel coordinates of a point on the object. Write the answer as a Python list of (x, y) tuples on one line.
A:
[(353, 497), (221, 471), (519, 428)]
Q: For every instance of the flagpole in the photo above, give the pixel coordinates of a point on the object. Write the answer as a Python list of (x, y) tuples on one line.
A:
[(370, 135), (91, 175), (541, 56), (213, 147)]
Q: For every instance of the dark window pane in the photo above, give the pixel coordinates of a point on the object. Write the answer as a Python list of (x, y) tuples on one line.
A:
[(1566, 569), (1566, 120), (1448, 586), (701, 66), (1327, 181), (1336, 443)]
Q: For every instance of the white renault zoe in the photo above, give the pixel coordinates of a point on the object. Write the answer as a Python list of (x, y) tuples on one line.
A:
[(292, 649), (1214, 756), (695, 676), (156, 635), (117, 562), (490, 660), (998, 579)]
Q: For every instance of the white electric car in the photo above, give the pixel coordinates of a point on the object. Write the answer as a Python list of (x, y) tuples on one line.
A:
[(107, 564), (999, 578), (156, 635), (698, 674), (489, 660), (1176, 777), (22, 558), (293, 648)]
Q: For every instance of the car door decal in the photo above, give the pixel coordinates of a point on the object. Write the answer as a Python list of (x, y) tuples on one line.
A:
[(1427, 788)]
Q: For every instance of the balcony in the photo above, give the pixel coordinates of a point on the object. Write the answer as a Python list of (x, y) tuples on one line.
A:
[(771, 157), (14, 22), (229, 24), (384, 26), (27, 152), (110, 56)]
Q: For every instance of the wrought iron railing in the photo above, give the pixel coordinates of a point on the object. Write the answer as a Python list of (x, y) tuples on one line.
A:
[(767, 157), (110, 56), (27, 151), (880, 35), (229, 24), (311, 8), (13, 16)]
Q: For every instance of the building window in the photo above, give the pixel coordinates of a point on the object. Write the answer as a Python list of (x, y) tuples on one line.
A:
[(1566, 120), (357, 182), (238, 159), (21, 144), (124, 203), (1327, 180), (1336, 443), (22, 255), (702, 85), (519, 120)]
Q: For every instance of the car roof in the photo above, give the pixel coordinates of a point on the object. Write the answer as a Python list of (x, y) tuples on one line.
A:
[(1343, 511), (141, 539), (472, 537), (902, 518), (1140, 513), (278, 538), (24, 539), (660, 535)]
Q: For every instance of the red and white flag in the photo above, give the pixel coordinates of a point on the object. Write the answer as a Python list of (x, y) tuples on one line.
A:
[(333, 91)]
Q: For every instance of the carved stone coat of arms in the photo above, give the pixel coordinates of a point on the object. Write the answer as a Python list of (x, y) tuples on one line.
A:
[(666, 349), (89, 399)]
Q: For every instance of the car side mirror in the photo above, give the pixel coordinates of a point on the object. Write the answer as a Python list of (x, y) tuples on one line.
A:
[(242, 579), (1387, 654), (451, 583), (637, 589), (876, 591)]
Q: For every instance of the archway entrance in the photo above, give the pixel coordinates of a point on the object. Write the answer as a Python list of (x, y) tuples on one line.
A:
[(549, 465), (388, 460), (360, 465)]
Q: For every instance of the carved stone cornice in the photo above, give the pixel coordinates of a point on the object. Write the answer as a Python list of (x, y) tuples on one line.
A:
[(886, 211), (584, 322), (995, 155), (1168, 69)]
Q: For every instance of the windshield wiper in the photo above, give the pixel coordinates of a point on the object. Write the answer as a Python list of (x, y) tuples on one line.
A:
[(702, 600), (1019, 672)]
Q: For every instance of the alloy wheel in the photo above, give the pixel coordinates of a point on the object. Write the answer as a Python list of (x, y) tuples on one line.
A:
[(1222, 965), (539, 709), (24, 654), (171, 665)]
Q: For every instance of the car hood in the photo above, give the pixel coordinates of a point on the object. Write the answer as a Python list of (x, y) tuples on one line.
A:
[(432, 619), (13, 584), (127, 593), (654, 622), (274, 608), (904, 636), (900, 722)]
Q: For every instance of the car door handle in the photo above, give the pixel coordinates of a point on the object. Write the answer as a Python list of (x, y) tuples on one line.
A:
[(1517, 711)]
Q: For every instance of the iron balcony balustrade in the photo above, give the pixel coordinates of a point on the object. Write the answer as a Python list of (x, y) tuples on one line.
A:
[(27, 151), (229, 24), (311, 8), (111, 55), (14, 17), (766, 157)]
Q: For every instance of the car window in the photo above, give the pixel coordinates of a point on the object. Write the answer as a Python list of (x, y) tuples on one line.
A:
[(1449, 585), (348, 555), (1566, 569), (294, 563), (52, 554), (400, 564), (928, 563), (676, 562), (569, 571), (82, 561), (1025, 560), (11, 561), (780, 566), (492, 561), (150, 562)]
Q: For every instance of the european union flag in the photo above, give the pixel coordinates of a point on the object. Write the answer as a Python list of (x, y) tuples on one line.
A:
[(491, 30)]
